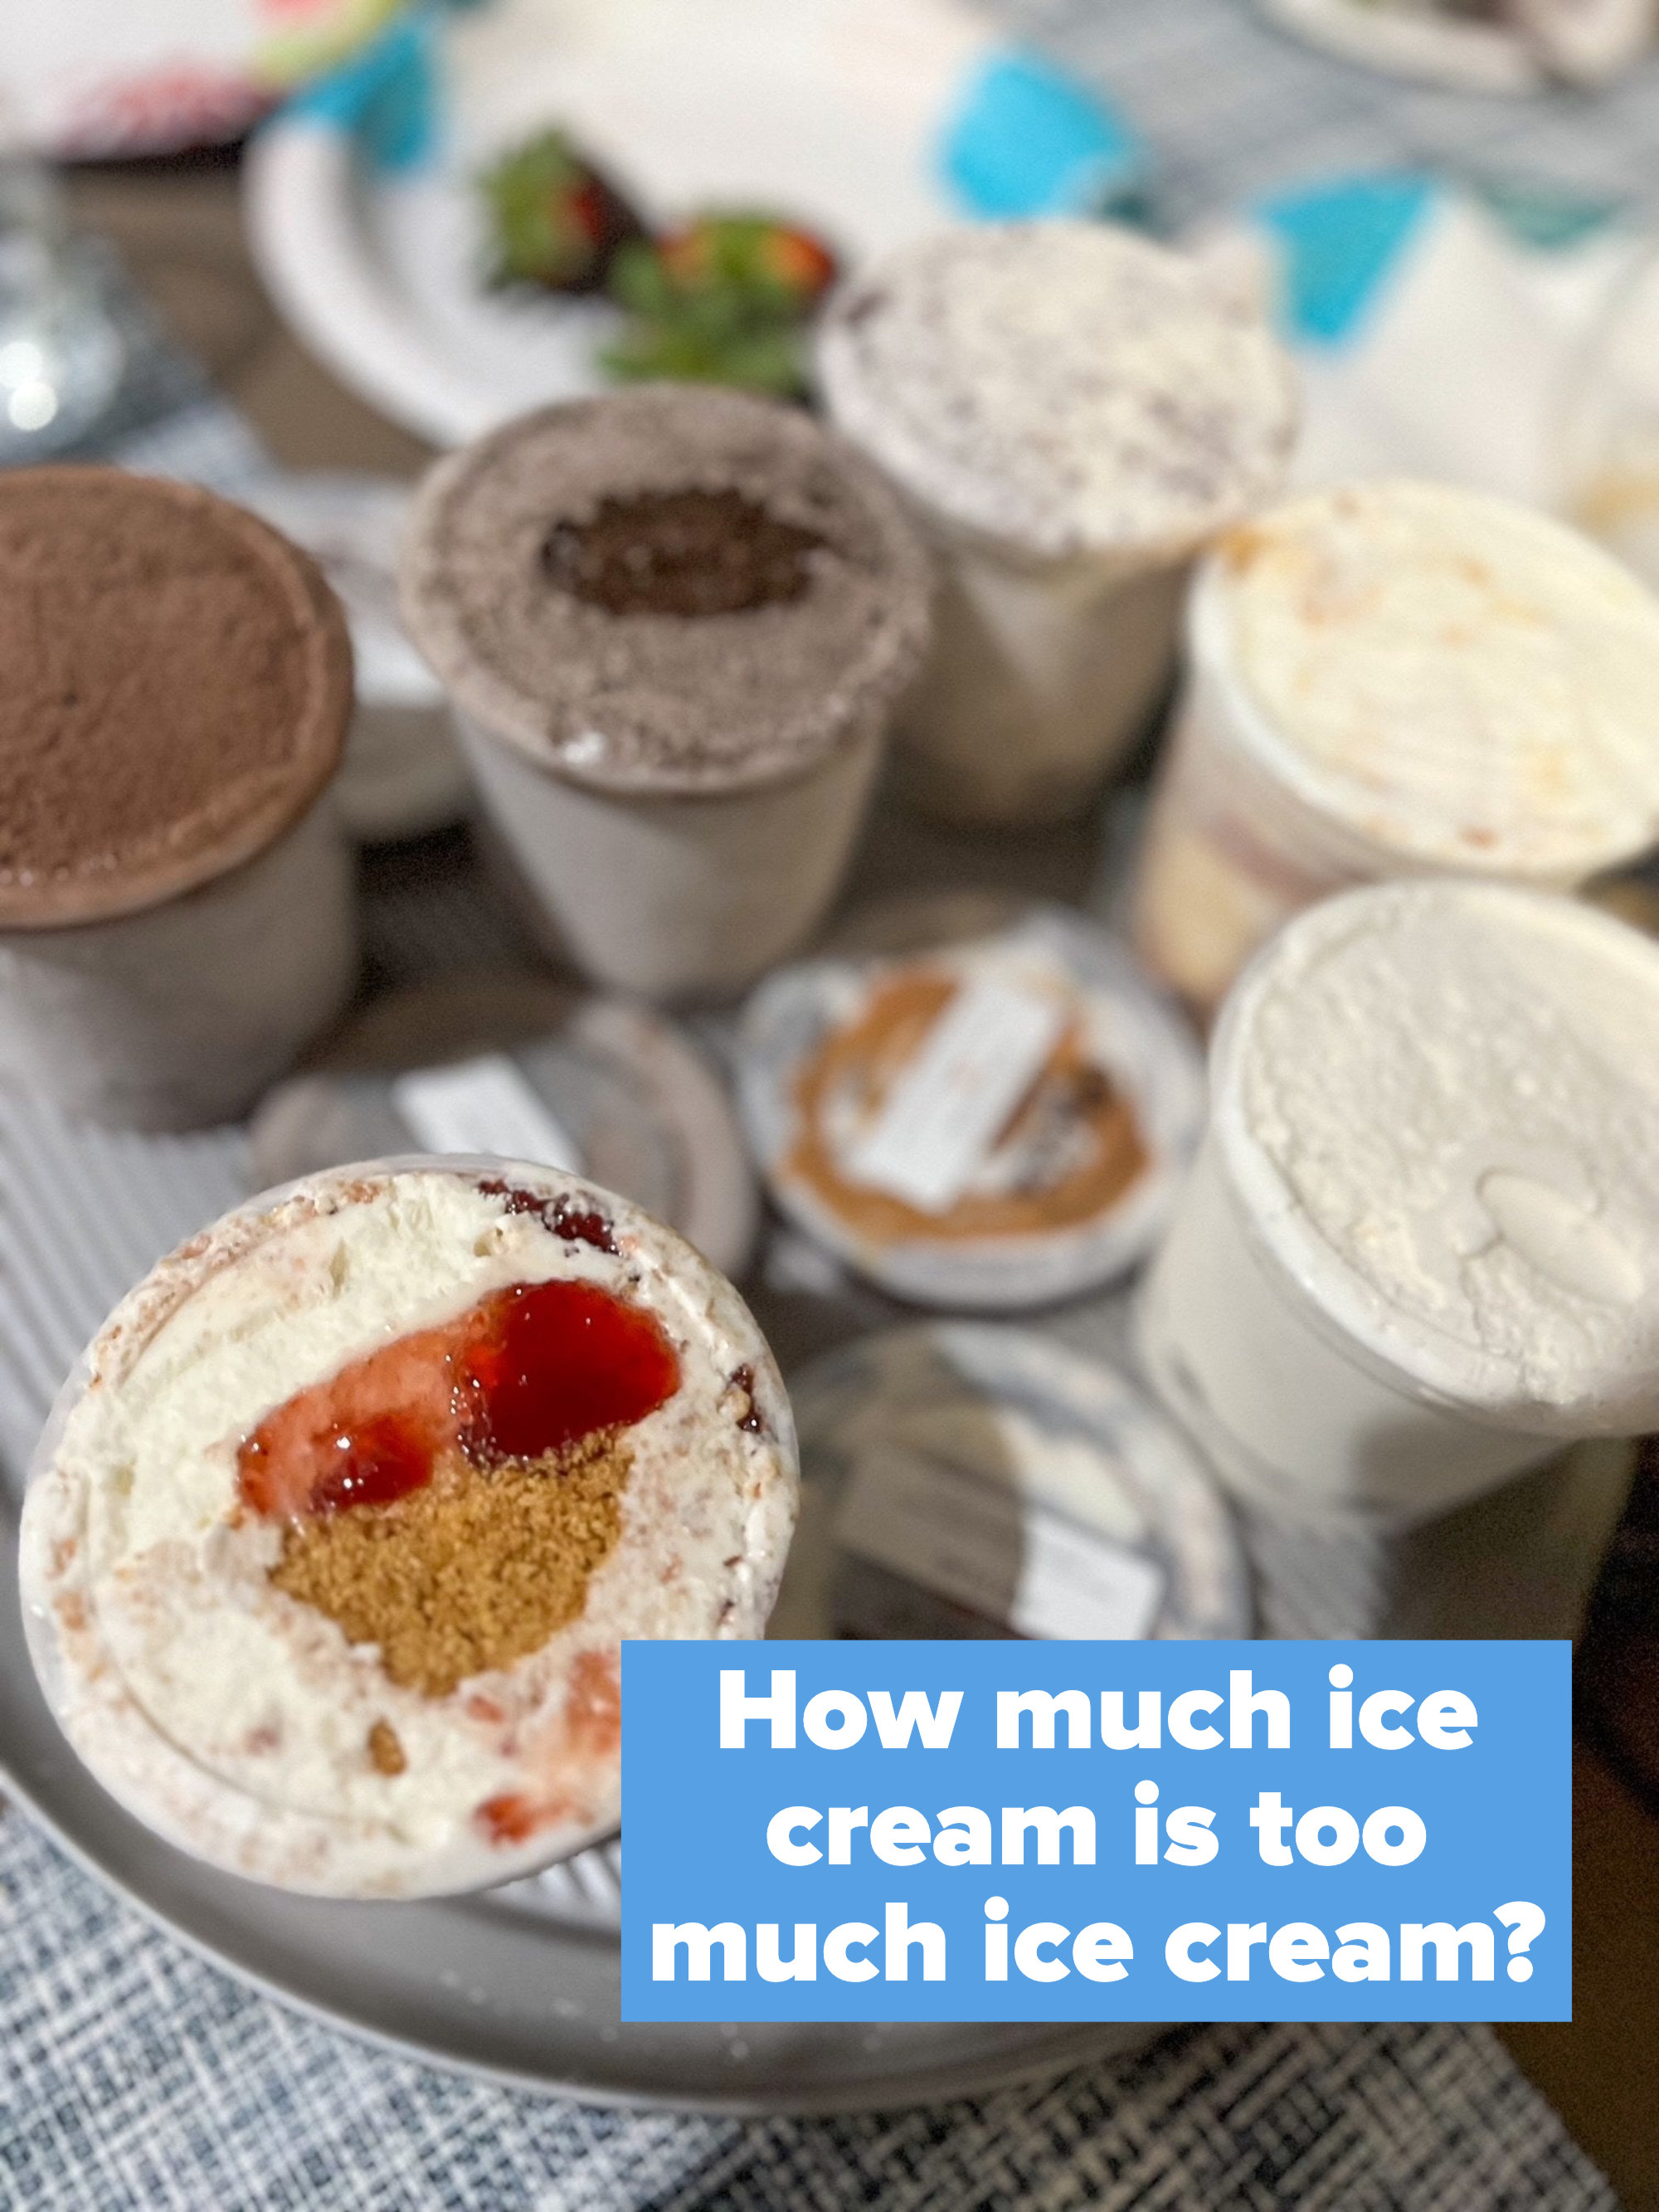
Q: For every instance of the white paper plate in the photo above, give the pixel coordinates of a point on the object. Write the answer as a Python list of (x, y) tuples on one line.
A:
[(825, 110)]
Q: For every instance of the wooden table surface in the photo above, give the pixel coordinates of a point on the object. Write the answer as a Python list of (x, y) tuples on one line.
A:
[(178, 225)]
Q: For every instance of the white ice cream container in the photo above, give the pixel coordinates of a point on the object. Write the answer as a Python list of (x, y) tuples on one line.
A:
[(1390, 679), (1419, 1249)]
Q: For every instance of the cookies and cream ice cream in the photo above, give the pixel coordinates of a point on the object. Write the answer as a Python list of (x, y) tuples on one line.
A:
[(1420, 1246), (1390, 677), (1073, 412), (673, 622), (669, 589), (337, 1532), (1064, 387)]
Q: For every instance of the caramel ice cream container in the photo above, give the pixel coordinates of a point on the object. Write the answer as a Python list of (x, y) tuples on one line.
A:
[(1388, 679), (1072, 413)]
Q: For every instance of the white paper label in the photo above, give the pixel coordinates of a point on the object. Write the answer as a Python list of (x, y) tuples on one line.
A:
[(995, 1549), (953, 1100), (483, 1105)]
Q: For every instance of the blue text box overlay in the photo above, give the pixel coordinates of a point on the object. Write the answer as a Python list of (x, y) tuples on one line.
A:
[(1164, 1831)]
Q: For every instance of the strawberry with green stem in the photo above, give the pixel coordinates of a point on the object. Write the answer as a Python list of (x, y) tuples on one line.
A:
[(725, 300), (554, 220)]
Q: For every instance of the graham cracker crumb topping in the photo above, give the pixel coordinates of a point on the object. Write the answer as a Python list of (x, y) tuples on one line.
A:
[(386, 1750), (474, 1570)]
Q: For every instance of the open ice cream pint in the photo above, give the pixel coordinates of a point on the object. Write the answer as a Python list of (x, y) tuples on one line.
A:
[(1071, 412), (673, 623), (333, 1536), (1394, 678), (176, 904), (1419, 1249)]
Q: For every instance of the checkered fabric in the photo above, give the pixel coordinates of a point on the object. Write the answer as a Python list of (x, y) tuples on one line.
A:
[(138, 2080), (1232, 106), (136, 2075)]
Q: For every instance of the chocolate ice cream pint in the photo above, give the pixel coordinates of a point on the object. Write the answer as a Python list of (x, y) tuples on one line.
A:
[(1419, 1249), (334, 1535), (176, 913), (1071, 412), (1396, 678), (672, 621)]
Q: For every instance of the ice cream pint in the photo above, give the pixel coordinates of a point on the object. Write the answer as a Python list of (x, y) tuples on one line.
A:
[(1071, 412), (334, 1534), (177, 913), (1394, 678), (1419, 1249), (673, 622)]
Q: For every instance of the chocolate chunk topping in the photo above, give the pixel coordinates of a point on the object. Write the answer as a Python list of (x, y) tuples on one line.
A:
[(517, 584), (577, 1225), (690, 553), (749, 1415)]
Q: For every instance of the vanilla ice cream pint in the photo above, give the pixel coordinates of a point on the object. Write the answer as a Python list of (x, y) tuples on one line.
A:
[(1071, 412), (177, 904), (334, 1534), (1419, 1249), (673, 623), (1394, 678)]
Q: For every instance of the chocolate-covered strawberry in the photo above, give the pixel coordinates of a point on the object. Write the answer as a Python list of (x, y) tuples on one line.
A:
[(554, 220), (725, 299), (763, 259)]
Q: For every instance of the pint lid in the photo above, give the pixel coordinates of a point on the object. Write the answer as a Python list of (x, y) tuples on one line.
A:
[(987, 1118), (1459, 682), (968, 1479), (529, 1070), (177, 689), (1435, 1104)]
